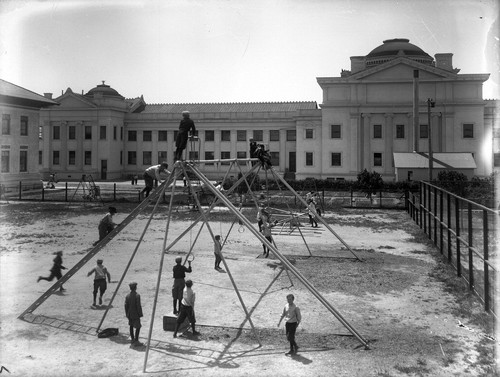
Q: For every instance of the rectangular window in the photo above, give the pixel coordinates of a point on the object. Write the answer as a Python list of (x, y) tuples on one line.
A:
[(335, 131), (309, 133), (71, 157), (225, 156), (162, 156), (336, 159), (6, 124), (121, 133), (193, 155), (274, 135), (258, 135), (291, 135), (162, 135), (377, 131), (146, 158), (40, 132), (209, 156), (424, 131), (114, 132), (225, 135), (209, 135), (71, 133), (5, 161), (24, 126), (88, 132), (147, 136), (468, 131), (241, 135), (275, 158), (309, 159), (102, 132), (377, 159), (88, 158), (23, 161), (132, 135), (241, 155), (400, 131), (55, 157), (121, 157), (40, 157), (57, 133), (132, 158), (496, 160)]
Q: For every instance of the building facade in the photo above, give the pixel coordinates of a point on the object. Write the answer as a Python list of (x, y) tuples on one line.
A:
[(369, 113), (20, 156)]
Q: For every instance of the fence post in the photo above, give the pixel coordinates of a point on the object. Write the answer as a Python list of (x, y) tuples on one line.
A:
[(20, 188), (66, 192), (457, 235), (114, 192), (424, 208), (434, 214), (486, 266), (471, 254), (380, 199), (441, 221), (448, 212)]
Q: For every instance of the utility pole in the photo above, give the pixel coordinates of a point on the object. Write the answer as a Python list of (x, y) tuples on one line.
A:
[(416, 121), (430, 103)]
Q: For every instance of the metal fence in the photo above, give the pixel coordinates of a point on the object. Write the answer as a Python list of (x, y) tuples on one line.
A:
[(124, 191), (465, 232)]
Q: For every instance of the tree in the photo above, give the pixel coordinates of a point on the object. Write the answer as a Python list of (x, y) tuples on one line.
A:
[(370, 183)]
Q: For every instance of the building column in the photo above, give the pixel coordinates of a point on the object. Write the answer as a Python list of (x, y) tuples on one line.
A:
[(354, 146), (389, 143), (283, 151), (365, 146)]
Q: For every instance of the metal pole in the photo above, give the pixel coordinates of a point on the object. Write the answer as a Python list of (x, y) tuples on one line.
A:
[(430, 104)]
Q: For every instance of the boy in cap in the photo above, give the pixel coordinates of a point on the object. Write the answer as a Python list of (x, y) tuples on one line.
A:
[(185, 126), (55, 271), (155, 172), (187, 309), (101, 273), (106, 225), (179, 272), (133, 311)]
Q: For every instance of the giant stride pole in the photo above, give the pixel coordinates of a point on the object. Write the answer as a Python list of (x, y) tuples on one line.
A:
[(283, 260)]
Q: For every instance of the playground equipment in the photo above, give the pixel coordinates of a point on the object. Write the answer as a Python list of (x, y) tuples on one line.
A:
[(89, 190), (191, 169)]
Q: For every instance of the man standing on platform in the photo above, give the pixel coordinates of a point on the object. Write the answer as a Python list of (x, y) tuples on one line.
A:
[(185, 126)]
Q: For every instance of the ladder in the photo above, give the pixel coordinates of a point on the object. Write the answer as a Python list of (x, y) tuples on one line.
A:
[(137, 210)]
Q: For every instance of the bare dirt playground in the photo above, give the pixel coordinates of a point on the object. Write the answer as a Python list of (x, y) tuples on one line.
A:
[(393, 298)]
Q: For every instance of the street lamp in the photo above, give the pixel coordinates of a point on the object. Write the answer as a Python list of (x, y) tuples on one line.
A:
[(430, 103)]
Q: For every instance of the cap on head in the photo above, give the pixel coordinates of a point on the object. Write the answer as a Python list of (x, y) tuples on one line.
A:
[(112, 209), (178, 259), (99, 261), (133, 285), (59, 252), (185, 112), (217, 237), (189, 283), (164, 165)]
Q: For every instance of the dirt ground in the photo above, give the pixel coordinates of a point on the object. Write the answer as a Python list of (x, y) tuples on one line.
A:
[(391, 298)]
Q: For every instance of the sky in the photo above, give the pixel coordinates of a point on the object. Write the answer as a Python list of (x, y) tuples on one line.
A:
[(199, 51)]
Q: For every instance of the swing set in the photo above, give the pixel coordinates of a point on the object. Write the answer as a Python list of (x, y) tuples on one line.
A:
[(286, 219)]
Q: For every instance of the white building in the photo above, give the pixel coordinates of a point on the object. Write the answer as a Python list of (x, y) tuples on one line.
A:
[(367, 116)]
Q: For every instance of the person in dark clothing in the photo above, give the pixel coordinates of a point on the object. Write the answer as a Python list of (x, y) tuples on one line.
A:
[(217, 252), (55, 271), (253, 150), (133, 311), (106, 225), (179, 272), (185, 127)]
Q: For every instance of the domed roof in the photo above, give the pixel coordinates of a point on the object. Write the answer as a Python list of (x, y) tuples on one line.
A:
[(105, 90), (394, 46)]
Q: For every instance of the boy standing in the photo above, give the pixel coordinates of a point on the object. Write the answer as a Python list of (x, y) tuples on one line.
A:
[(133, 311), (217, 252), (292, 316), (101, 273), (187, 309), (179, 272)]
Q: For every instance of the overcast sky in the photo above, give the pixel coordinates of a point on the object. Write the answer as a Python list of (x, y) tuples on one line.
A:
[(178, 51)]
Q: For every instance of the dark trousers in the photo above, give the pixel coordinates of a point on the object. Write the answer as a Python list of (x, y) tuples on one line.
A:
[(291, 328), (180, 143)]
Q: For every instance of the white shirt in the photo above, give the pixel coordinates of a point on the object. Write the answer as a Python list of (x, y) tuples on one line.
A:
[(188, 297)]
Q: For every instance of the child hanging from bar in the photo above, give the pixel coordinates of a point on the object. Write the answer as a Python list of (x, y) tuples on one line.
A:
[(217, 252)]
